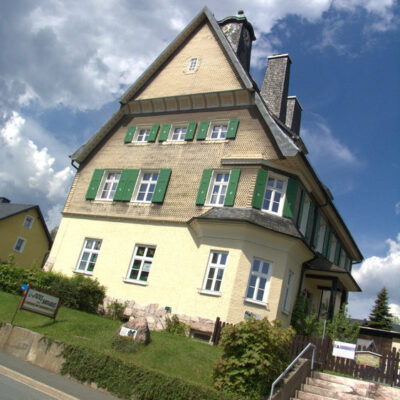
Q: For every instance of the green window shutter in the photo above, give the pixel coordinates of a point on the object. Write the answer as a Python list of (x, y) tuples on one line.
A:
[(232, 187), (191, 129), (232, 129), (153, 132), (129, 134), (259, 188), (161, 186), (94, 184), (310, 220), (165, 128), (327, 241), (337, 253), (316, 230), (300, 215), (203, 188), (347, 264), (126, 185), (291, 196), (203, 129)]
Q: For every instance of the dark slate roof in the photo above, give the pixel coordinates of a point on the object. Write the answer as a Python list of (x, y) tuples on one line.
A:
[(8, 209), (252, 216)]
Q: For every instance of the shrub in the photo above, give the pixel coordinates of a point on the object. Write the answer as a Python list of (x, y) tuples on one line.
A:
[(116, 310), (125, 344), (254, 353), (78, 292), (175, 326), (128, 380)]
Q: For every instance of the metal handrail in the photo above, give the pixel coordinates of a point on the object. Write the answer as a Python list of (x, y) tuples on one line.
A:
[(291, 365)]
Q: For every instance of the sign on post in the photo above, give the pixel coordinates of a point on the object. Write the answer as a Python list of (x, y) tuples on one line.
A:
[(40, 301), (344, 350), (368, 358)]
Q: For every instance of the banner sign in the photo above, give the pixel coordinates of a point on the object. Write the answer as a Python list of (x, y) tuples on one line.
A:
[(128, 332), (41, 302), (344, 350)]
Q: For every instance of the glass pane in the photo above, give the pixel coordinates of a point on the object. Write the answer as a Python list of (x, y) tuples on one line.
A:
[(150, 252), (266, 204), (253, 280), (146, 177), (277, 197), (265, 268), (256, 265), (250, 292), (211, 273), (209, 284), (155, 176), (149, 196), (268, 194), (271, 182), (263, 281), (275, 207), (220, 273), (140, 251), (93, 257), (226, 177), (146, 267), (89, 243), (97, 244), (140, 196), (279, 184), (214, 258), (133, 274), (91, 266), (82, 265), (223, 258), (144, 275), (136, 264), (260, 295), (85, 256), (217, 286)]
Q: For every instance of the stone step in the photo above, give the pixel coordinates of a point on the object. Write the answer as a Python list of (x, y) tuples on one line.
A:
[(301, 395), (338, 392), (342, 380), (349, 387)]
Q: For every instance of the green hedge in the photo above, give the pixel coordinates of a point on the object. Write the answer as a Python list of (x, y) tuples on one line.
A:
[(130, 381), (78, 292)]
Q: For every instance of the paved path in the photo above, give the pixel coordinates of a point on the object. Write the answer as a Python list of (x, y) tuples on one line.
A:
[(38, 382)]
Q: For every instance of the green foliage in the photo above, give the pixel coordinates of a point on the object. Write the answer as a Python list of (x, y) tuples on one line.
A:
[(341, 328), (116, 310), (175, 326), (78, 292), (380, 317), (125, 344), (128, 380), (254, 353), (303, 321)]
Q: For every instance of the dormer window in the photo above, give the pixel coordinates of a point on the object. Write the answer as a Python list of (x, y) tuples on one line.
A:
[(274, 195)]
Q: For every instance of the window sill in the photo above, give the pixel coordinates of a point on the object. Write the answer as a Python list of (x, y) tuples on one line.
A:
[(256, 302), (140, 283), (209, 293), (83, 272)]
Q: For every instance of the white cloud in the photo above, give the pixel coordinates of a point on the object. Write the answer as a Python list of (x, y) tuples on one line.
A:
[(374, 274), (35, 176), (323, 146), (397, 208)]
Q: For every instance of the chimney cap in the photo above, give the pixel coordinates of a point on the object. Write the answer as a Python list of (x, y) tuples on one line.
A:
[(286, 55)]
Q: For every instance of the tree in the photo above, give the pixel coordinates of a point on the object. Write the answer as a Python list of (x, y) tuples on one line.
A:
[(380, 317), (341, 328)]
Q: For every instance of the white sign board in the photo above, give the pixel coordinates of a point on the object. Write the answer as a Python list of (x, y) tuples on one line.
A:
[(128, 332), (344, 350), (40, 302)]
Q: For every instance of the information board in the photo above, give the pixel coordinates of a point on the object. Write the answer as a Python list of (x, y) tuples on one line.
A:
[(41, 302)]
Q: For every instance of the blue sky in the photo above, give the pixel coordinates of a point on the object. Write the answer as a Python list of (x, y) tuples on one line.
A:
[(65, 64)]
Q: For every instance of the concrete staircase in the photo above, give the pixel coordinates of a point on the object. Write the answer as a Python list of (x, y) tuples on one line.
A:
[(323, 386)]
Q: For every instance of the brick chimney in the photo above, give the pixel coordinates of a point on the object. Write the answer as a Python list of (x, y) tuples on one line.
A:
[(275, 87), (293, 114)]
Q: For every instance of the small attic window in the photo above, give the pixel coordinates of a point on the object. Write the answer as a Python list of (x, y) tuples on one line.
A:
[(192, 65)]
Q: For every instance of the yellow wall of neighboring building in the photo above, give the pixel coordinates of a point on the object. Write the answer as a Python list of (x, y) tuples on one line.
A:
[(180, 263), (36, 245), (213, 74)]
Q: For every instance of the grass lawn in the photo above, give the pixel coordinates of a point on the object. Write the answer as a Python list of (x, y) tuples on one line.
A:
[(172, 354)]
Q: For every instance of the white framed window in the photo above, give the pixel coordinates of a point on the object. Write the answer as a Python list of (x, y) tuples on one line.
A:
[(19, 245), (108, 185), (287, 293), (89, 255), (145, 187), (215, 272), (142, 134), (140, 267), (28, 222), (274, 195), (218, 188), (304, 214), (178, 133), (258, 285), (193, 63), (218, 131), (321, 235)]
